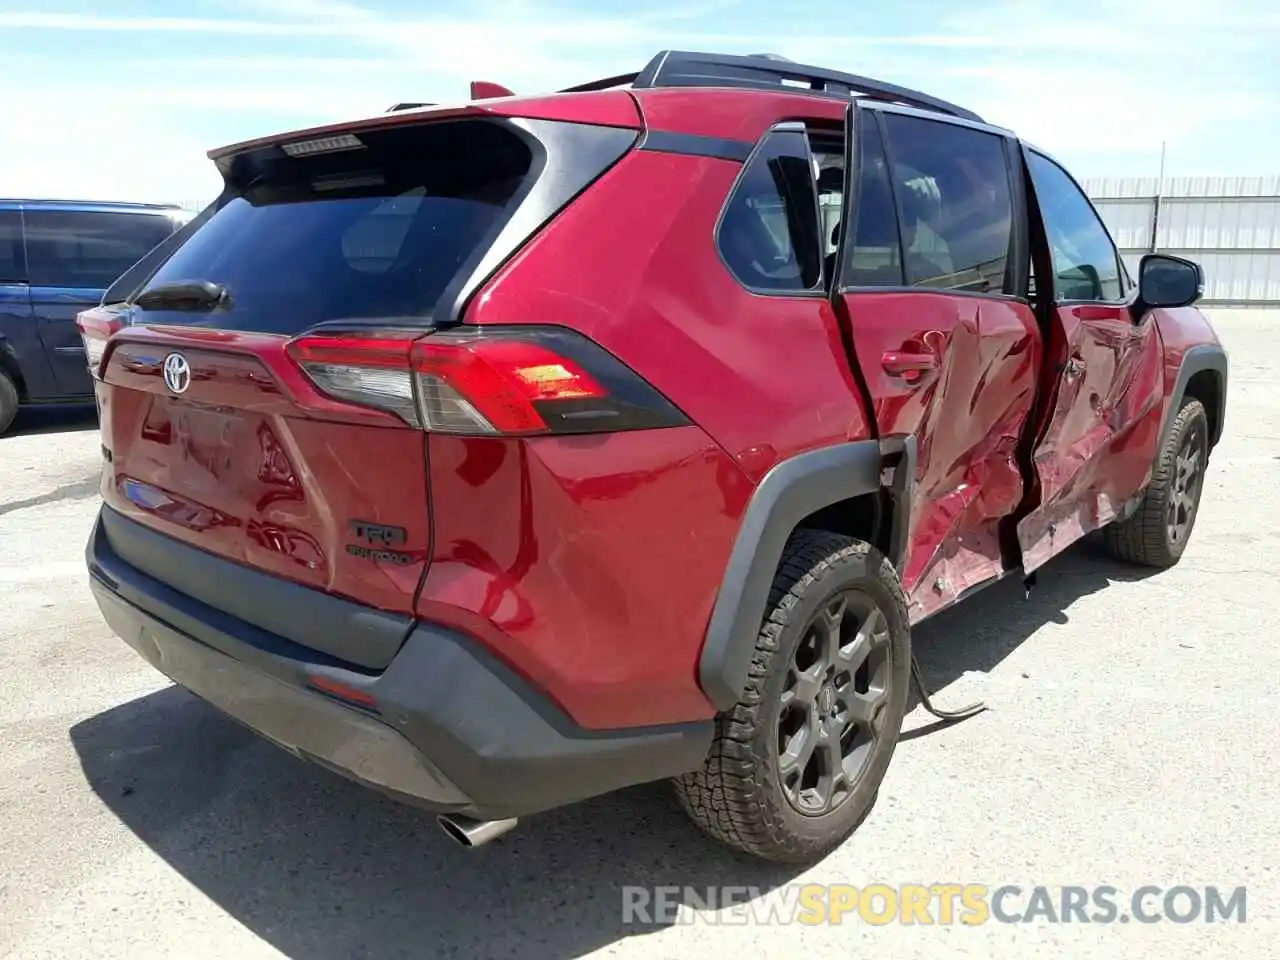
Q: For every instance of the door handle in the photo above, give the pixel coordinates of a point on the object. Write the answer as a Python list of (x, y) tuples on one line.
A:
[(901, 362), (916, 357)]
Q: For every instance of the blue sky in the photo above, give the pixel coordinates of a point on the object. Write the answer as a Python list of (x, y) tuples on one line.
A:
[(122, 99)]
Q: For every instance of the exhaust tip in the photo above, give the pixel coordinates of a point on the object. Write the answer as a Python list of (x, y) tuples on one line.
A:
[(473, 833)]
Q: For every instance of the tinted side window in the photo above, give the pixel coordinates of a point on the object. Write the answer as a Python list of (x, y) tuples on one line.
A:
[(953, 187), (90, 250), (875, 253), (768, 234), (12, 265), (1085, 263)]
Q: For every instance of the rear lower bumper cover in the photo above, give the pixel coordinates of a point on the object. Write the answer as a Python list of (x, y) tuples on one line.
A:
[(454, 728)]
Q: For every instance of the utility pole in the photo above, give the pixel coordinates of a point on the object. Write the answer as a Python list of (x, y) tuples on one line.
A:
[(1155, 203)]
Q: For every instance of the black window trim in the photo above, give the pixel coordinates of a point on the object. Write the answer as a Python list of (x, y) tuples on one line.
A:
[(882, 107), (24, 262), (882, 130), (1019, 245), (823, 134), (816, 292), (1128, 294)]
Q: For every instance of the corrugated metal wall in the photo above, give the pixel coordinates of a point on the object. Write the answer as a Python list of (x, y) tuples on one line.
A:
[(1229, 225)]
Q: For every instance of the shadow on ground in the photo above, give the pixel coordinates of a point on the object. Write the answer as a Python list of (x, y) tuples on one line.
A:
[(68, 418), (324, 869), (78, 490), (976, 635)]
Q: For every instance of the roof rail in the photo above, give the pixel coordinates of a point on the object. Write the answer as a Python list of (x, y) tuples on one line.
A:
[(408, 106), (682, 68), (618, 81)]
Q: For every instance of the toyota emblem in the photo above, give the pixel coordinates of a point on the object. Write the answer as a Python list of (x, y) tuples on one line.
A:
[(177, 373)]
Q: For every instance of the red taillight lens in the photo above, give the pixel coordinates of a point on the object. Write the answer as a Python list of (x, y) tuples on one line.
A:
[(492, 386), (477, 381), (95, 330)]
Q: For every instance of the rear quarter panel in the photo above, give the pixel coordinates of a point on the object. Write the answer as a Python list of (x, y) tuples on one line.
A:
[(589, 564), (633, 264), (592, 564)]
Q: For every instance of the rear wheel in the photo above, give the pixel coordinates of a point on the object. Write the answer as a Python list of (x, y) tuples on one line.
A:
[(796, 764), (8, 402), (1157, 533)]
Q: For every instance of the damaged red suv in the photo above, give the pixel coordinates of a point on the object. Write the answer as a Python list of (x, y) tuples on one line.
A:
[(502, 455)]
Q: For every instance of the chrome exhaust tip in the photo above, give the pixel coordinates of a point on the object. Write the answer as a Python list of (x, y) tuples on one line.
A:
[(473, 833)]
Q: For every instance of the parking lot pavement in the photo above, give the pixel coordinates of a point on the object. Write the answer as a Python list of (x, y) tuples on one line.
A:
[(1131, 740)]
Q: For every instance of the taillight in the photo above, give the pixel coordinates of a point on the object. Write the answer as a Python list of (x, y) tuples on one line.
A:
[(485, 380), (95, 330)]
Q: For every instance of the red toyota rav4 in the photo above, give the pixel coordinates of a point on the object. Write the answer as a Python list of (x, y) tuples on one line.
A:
[(502, 455)]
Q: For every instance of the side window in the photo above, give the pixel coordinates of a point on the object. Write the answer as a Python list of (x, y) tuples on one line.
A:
[(875, 253), (13, 268), (953, 189), (768, 232), (1085, 263), (89, 250)]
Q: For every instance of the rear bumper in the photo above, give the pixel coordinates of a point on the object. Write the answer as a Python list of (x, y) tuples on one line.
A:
[(451, 727)]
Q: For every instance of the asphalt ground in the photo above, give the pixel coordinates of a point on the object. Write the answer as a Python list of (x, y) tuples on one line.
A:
[(1131, 742)]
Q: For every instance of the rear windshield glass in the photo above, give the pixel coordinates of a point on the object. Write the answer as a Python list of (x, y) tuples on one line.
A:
[(365, 232)]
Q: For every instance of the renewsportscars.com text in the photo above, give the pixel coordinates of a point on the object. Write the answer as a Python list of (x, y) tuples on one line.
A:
[(967, 904)]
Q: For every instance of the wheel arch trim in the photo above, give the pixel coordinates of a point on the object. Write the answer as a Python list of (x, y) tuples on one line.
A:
[(1198, 359), (790, 491)]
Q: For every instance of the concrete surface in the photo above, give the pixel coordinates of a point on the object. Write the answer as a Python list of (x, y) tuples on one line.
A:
[(1132, 740)]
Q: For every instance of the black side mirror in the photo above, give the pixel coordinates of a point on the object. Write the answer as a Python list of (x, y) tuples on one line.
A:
[(1165, 281)]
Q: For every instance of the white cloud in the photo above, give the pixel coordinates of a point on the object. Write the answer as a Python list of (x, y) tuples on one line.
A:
[(107, 154), (1098, 77)]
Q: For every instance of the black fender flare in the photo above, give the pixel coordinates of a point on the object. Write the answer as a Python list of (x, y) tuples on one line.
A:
[(789, 492), (1197, 359)]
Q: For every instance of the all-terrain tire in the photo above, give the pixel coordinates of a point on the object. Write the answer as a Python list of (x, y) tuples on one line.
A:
[(8, 402), (738, 795), (1147, 537)]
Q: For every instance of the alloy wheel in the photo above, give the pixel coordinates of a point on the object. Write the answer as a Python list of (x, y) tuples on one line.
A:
[(833, 702), (1184, 492)]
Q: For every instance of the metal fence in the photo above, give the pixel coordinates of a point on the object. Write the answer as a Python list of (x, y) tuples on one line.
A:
[(1229, 225)]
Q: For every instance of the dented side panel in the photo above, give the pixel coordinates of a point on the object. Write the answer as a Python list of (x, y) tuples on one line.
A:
[(967, 415), (1100, 440)]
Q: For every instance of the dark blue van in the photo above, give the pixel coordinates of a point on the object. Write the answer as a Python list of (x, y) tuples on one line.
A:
[(58, 257)]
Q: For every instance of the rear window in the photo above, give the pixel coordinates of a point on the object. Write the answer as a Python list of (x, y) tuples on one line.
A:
[(377, 230), (89, 250)]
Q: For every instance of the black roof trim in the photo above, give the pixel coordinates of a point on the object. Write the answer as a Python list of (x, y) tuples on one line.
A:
[(682, 68), (605, 84)]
